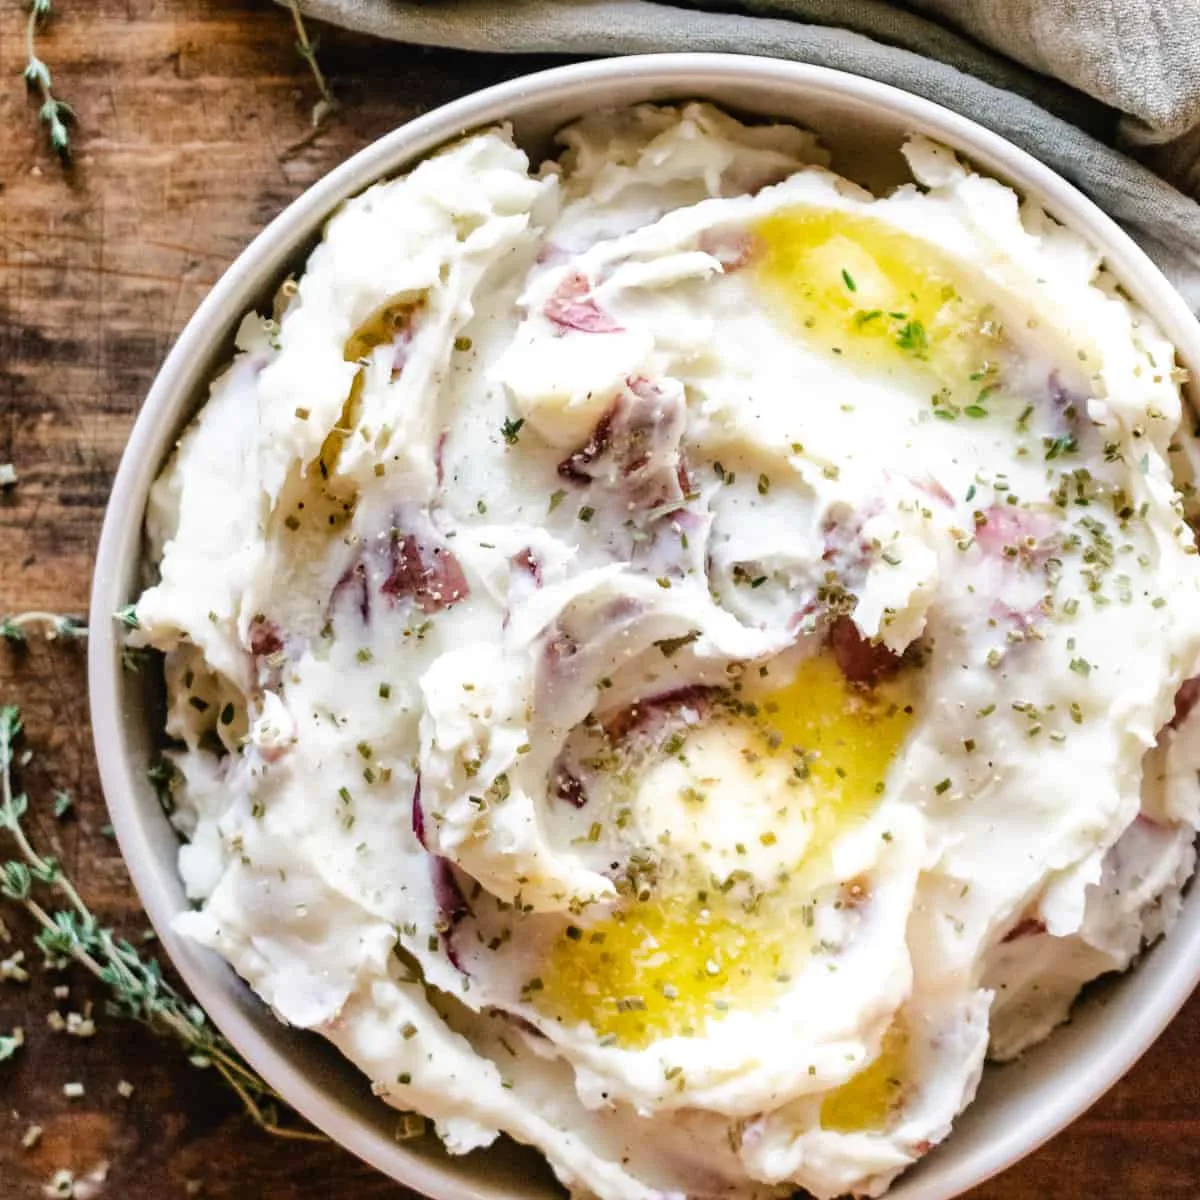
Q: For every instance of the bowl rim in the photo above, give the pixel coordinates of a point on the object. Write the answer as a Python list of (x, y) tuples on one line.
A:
[(120, 538)]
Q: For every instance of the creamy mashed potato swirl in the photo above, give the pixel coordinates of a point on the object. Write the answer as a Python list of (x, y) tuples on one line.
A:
[(675, 659)]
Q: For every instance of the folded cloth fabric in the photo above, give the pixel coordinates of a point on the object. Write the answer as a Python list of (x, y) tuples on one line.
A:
[(1077, 83)]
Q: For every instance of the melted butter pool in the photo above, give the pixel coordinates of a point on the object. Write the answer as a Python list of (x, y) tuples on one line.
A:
[(860, 289), (714, 933), (868, 1100), (842, 739), (663, 967)]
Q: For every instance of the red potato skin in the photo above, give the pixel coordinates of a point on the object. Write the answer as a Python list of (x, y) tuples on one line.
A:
[(1007, 531), (861, 661), (1185, 700), (429, 575), (1026, 927), (571, 307)]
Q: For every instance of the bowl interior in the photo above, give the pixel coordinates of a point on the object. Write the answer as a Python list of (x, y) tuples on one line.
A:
[(864, 124)]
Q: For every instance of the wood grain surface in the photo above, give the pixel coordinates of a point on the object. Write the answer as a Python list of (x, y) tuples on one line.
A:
[(193, 123)]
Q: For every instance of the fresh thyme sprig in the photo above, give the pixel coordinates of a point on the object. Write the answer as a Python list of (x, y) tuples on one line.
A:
[(306, 47), (58, 116), (54, 113), (136, 983), (52, 626)]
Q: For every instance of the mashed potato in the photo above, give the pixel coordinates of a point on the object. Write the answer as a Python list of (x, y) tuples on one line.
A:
[(674, 659)]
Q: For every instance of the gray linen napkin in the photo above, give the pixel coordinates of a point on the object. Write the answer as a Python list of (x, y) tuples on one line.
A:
[(1068, 80)]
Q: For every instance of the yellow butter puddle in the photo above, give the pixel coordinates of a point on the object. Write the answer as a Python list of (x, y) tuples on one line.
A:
[(848, 737), (875, 296), (869, 1099), (696, 949), (664, 966), (382, 326)]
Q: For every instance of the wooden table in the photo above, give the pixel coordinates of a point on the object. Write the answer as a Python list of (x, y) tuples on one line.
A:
[(194, 115)]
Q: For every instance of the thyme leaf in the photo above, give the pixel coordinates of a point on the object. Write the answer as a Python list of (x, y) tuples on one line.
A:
[(672, 645), (11, 1044)]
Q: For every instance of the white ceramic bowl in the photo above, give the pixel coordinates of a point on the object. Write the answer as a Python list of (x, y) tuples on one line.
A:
[(1019, 1106)]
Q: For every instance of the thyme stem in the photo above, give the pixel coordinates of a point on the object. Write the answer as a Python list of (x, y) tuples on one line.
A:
[(307, 49), (255, 1111), (52, 625), (55, 114)]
